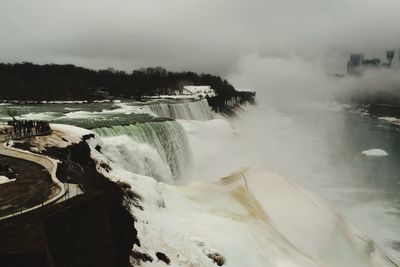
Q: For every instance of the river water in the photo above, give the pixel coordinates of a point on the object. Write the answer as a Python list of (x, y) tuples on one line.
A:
[(365, 189)]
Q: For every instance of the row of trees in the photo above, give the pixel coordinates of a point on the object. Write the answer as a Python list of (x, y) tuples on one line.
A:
[(27, 81)]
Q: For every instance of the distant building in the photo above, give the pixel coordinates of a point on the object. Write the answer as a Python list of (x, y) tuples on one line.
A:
[(198, 90), (357, 64), (245, 90), (354, 65), (390, 56), (99, 93), (374, 62)]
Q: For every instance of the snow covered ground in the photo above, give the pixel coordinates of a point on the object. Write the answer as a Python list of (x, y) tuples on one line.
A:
[(272, 223), (262, 220)]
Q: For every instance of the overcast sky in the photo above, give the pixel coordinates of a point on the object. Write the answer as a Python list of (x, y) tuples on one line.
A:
[(205, 35)]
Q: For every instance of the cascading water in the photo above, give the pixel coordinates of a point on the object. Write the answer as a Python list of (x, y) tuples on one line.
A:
[(256, 209), (192, 110), (156, 149)]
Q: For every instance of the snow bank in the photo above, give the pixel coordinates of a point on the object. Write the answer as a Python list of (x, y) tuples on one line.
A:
[(376, 152), (392, 120), (266, 220), (71, 130), (62, 135), (4, 180), (245, 90)]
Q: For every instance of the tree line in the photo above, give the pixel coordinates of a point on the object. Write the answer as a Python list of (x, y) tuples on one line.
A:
[(28, 81)]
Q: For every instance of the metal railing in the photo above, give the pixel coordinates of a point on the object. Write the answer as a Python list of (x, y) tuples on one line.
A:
[(29, 201), (18, 136), (72, 167), (24, 203)]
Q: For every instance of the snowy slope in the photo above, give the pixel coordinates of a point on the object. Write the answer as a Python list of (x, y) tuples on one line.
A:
[(256, 219), (272, 223)]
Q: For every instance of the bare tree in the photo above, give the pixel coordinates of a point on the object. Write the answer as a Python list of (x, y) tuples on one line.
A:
[(12, 113)]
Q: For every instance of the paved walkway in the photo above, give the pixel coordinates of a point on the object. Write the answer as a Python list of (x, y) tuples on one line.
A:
[(48, 163), (3, 136)]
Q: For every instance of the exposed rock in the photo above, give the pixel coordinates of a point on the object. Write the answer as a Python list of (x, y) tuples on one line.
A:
[(105, 166), (92, 229), (131, 198), (162, 257), (217, 258), (139, 256), (161, 203), (87, 136), (98, 148)]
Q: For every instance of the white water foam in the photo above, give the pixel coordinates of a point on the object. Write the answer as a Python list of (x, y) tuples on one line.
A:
[(167, 138), (190, 110), (294, 150), (139, 158), (122, 108)]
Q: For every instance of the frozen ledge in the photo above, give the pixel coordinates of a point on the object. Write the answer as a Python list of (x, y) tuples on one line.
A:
[(376, 152)]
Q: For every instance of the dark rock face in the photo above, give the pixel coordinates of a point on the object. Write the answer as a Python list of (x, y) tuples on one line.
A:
[(92, 229), (24, 259), (89, 233), (162, 257), (217, 258), (139, 256)]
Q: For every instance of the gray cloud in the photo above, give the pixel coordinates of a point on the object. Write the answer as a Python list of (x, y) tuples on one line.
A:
[(209, 36)]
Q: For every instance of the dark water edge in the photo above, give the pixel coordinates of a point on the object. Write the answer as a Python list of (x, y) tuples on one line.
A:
[(384, 110)]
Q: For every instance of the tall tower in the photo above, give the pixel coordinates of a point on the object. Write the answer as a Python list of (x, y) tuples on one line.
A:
[(390, 56), (354, 65)]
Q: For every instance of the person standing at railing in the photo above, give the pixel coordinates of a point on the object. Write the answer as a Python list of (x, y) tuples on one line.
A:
[(8, 133), (25, 128)]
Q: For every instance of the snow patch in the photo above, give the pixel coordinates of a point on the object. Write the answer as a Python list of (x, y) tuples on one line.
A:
[(245, 90), (4, 180), (392, 120), (199, 90), (71, 130), (376, 152), (62, 135)]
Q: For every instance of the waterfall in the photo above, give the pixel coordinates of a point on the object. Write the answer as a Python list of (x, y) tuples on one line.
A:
[(157, 149), (191, 110)]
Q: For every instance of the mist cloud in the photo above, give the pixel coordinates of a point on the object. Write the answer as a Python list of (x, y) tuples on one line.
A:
[(204, 36)]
